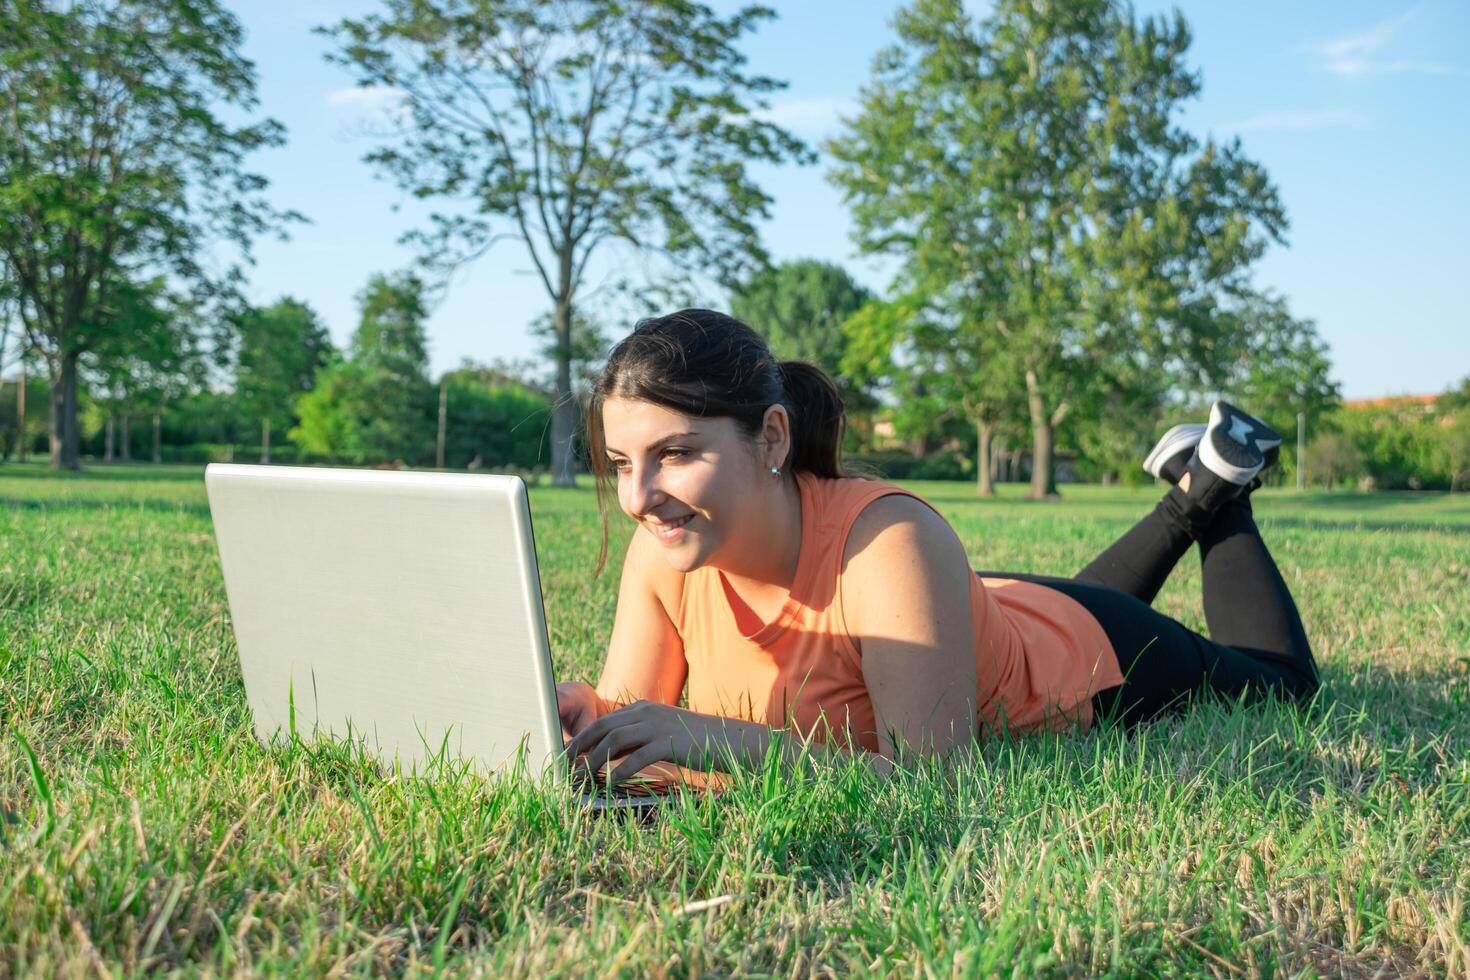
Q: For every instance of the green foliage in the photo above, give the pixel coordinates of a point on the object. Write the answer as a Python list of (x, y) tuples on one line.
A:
[(148, 352), (278, 350), (1331, 458), (494, 422), (378, 404), (206, 416), (800, 307), (36, 422), (1070, 244), (118, 163), (1403, 443)]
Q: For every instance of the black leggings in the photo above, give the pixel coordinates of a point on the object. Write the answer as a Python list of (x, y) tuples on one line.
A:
[(1256, 643)]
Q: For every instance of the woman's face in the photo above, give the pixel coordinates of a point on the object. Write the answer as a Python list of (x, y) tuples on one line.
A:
[(694, 484)]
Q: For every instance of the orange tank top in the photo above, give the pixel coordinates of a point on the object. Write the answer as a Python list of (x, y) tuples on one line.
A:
[(1040, 655)]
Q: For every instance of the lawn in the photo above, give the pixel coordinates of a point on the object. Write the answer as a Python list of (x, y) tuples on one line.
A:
[(142, 828)]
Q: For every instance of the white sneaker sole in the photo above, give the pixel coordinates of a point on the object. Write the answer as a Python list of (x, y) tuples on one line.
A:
[(1172, 442), (1218, 464)]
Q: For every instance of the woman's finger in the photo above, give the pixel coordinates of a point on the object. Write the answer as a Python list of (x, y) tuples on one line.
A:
[(594, 732), (655, 751), (619, 718), (618, 742)]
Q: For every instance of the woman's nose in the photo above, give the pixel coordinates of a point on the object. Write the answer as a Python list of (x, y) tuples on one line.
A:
[(644, 493)]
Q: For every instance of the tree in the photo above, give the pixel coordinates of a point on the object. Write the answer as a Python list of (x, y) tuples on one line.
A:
[(279, 349), (800, 307), (569, 124), (118, 163), (1025, 171), (1333, 457), (147, 356), (377, 404)]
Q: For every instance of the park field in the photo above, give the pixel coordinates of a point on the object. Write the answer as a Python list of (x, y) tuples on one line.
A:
[(143, 829)]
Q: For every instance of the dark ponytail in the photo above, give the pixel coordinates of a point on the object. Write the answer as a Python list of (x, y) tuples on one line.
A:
[(818, 419), (705, 364)]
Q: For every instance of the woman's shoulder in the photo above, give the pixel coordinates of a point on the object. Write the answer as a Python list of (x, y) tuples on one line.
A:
[(842, 501)]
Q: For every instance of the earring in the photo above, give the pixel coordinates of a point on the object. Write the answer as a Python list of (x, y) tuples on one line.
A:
[(775, 472)]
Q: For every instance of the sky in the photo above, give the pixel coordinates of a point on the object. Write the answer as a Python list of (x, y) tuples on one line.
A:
[(1359, 112)]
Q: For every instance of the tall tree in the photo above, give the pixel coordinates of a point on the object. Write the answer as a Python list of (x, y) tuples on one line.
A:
[(279, 349), (1026, 171), (119, 162), (569, 124)]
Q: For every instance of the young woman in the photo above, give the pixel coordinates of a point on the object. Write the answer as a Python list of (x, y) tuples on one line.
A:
[(782, 593)]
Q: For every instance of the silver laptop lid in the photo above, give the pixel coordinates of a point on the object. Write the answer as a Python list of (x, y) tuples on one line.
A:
[(405, 604)]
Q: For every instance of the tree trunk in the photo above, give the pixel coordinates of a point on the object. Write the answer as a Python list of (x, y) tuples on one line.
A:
[(985, 483), (20, 409), (443, 415), (564, 410), (66, 446), (107, 453), (126, 455), (1043, 484), (157, 435), (54, 435), (265, 440)]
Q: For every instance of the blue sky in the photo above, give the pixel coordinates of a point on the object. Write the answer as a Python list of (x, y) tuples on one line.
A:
[(1359, 111)]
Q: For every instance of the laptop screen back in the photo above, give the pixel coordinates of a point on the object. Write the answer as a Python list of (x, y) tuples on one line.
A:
[(404, 605)]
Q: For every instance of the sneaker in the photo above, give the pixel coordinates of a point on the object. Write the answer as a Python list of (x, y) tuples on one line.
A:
[(1169, 458), (1235, 444)]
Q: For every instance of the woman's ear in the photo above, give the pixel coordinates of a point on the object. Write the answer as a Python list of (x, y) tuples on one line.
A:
[(776, 438)]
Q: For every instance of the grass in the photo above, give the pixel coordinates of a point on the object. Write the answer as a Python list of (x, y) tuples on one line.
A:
[(143, 829)]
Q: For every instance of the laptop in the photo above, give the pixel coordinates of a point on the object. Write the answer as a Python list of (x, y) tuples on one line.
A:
[(402, 609)]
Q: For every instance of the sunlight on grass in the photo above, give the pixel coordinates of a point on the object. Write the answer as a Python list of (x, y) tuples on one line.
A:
[(142, 827)]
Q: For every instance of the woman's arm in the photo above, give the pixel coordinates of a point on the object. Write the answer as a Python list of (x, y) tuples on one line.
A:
[(906, 597), (645, 657), (644, 734)]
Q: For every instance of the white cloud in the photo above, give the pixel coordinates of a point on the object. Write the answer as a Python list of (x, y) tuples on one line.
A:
[(368, 99), (810, 118), (1356, 55), (1296, 120)]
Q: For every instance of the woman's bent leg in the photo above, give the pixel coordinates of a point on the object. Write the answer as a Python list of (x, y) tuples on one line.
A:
[(1164, 662), (1247, 604), (1140, 561)]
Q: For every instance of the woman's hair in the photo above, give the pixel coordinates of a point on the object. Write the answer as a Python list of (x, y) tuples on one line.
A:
[(705, 364)]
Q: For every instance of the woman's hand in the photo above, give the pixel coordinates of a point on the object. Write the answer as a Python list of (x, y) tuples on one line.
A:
[(579, 705), (646, 732)]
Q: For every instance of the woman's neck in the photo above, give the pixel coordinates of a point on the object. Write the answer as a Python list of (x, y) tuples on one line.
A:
[(773, 550)]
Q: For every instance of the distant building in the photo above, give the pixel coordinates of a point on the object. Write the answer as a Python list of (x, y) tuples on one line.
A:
[(1423, 406), (1425, 403)]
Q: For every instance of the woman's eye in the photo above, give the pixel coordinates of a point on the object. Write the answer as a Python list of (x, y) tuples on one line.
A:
[(675, 453), (617, 465)]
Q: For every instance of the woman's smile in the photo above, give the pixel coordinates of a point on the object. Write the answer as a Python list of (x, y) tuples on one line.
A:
[(669, 530)]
